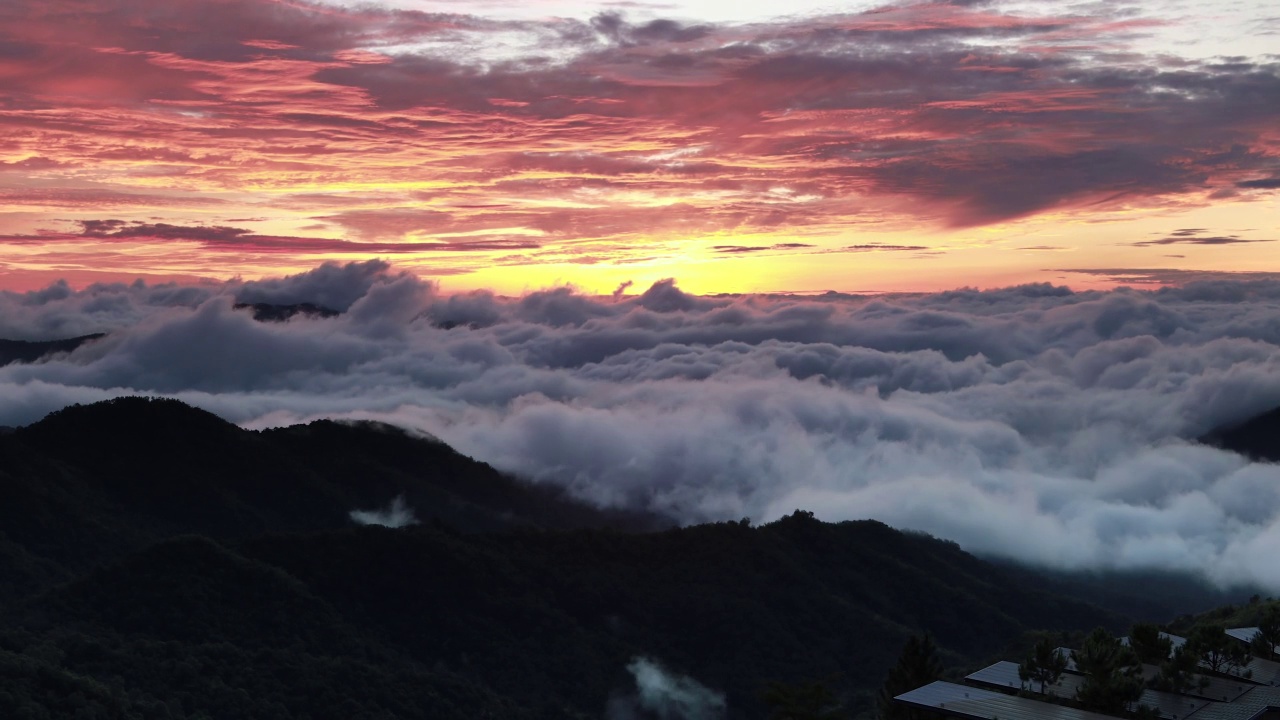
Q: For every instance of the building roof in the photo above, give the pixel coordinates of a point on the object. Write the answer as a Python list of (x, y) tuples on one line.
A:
[(1220, 689), (1004, 674), (1248, 706), (1171, 705), (1243, 634), (975, 704)]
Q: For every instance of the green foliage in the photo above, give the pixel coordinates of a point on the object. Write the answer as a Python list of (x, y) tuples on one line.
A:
[(917, 666), (1112, 673), (1178, 673), (1219, 652), (1044, 664), (1149, 645), (1267, 639), (802, 701)]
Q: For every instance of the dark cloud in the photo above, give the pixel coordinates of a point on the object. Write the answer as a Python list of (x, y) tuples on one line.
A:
[(1188, 238), (223, 237), (1271, 183), (879, 246), (759, 248)]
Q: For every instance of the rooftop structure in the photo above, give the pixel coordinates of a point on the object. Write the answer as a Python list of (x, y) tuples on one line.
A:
[(997, 692)]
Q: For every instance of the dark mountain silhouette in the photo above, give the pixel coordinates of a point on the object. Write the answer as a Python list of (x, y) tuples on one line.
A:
[(26, 351), (1258, 437), (90, 483), (269, 312), (159, 562)]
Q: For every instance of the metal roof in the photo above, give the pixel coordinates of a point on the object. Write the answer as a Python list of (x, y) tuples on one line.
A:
[(1243, 634), (1264, 671), (975, 704), (1171, 705), (1248, 706), (1221, 689), (1004, 674)]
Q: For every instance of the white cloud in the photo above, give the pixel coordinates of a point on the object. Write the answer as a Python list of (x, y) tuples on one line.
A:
[(665, 695), (396, 515), (1030, 422)]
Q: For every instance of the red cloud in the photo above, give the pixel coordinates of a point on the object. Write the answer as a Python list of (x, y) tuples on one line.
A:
[(618, 133)]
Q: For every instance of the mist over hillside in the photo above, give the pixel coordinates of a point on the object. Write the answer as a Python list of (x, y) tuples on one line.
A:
[(160, 562), (1035, 423)]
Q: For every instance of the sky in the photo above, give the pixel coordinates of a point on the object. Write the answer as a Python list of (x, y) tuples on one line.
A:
[(514, 146)]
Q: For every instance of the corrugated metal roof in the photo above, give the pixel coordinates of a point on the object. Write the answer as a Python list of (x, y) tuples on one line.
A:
[(975, 704), (1264, 671), (1243, 634), (1248, 706), (1171, 705), (1004, 674), (1221, 689)]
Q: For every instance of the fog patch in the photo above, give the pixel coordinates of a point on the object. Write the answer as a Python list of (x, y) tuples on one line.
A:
[(396, 515), (664, 695)]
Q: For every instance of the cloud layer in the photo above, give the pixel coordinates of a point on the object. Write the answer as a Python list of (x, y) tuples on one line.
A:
[(1030, 422)]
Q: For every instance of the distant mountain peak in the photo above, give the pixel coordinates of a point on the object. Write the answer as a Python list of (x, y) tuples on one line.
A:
[(271, 312), (28, 351), (1257, 437)]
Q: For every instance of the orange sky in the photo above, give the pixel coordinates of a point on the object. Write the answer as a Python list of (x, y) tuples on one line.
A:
[(913, 146)]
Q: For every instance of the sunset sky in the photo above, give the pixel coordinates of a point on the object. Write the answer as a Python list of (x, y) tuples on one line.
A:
[(513, 146)]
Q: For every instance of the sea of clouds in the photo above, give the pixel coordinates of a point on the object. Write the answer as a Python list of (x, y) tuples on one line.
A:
[(1032, 422)]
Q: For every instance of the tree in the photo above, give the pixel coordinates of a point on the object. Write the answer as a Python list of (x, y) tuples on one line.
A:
[(1267, 638), (1113, 675), (1149, 645), (1178, 672), (1044, 665), (1218, 651), (802, 701), (917, 666)]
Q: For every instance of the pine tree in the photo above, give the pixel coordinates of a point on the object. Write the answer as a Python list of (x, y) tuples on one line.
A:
[(1044, 665), (917, 666), (1267, 638), (1113, 675), (1149, 645), (1218, 651)]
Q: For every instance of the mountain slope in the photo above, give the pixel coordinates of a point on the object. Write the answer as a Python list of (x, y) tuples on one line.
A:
[(32, 350), (163, 563), (1258, 437), (90, 483)]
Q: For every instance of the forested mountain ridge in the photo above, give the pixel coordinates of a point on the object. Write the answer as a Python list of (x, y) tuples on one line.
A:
[(158, 562), (90, 483), (1257, 437)]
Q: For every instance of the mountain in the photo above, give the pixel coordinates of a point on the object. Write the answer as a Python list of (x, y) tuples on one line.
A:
[(90, 483), (26, 351), (270, 312), (159, 562), (1258, 437)]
